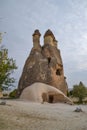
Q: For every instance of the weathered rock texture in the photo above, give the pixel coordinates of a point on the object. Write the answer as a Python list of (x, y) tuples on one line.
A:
[(44, 64), (39, 92)]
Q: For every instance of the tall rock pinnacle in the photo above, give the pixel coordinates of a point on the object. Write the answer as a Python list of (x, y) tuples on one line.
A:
[(44, 64)]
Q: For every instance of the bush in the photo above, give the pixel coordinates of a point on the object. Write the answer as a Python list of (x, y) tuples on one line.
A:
[(70, 93), (13, 94), (5, 94), (79, 91)]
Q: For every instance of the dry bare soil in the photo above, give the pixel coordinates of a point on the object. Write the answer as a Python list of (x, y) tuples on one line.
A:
[(24, 115)]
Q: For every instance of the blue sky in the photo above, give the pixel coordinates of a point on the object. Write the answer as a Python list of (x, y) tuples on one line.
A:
[(66, 18)]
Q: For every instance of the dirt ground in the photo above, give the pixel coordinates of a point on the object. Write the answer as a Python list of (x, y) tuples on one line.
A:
[(24, 115)]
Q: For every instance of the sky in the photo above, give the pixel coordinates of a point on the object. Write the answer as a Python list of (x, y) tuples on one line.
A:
[(66, 18)]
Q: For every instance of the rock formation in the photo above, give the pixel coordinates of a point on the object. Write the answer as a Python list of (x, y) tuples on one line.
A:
[(44, 64), (40, 92)]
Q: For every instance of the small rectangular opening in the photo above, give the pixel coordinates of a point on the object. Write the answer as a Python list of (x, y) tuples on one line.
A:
[(58, 72), (49, 60), (51, 98)]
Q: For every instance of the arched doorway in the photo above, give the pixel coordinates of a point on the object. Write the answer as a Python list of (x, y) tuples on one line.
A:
[(51, 98)]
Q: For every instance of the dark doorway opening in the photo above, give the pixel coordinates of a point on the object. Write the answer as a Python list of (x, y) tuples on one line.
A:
[(51, 98)]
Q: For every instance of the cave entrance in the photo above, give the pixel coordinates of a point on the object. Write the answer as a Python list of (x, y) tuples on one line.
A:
[(51, 98)]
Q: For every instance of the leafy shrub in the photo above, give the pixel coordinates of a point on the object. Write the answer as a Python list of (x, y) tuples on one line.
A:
[(79, 91), (13, 94), (5, 94)]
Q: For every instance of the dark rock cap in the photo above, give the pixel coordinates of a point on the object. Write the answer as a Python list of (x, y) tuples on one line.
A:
[(36, 32), (49, 33)]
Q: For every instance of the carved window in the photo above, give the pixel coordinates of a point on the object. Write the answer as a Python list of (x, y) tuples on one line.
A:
[(49, 60), (58, 72)]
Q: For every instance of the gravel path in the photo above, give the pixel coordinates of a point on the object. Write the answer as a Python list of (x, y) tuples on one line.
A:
[(23, 115)]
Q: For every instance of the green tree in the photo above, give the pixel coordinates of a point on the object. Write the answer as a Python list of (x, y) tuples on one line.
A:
[(79, 91), (7, 67)]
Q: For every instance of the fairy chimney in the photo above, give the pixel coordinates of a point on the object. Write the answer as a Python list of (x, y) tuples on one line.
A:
[(36, 39), (44, 64)]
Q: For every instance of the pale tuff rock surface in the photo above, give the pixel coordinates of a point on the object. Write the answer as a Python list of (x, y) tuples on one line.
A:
[(44, 64), (39, 92)]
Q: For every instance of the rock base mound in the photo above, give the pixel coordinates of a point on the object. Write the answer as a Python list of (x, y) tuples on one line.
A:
[(40, 92)]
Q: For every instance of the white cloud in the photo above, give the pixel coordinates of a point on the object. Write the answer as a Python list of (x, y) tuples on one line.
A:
[(85, 36), (82, 66)]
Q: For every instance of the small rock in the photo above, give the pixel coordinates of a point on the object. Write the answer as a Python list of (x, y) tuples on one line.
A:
[(3, 103), (78, 109)]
